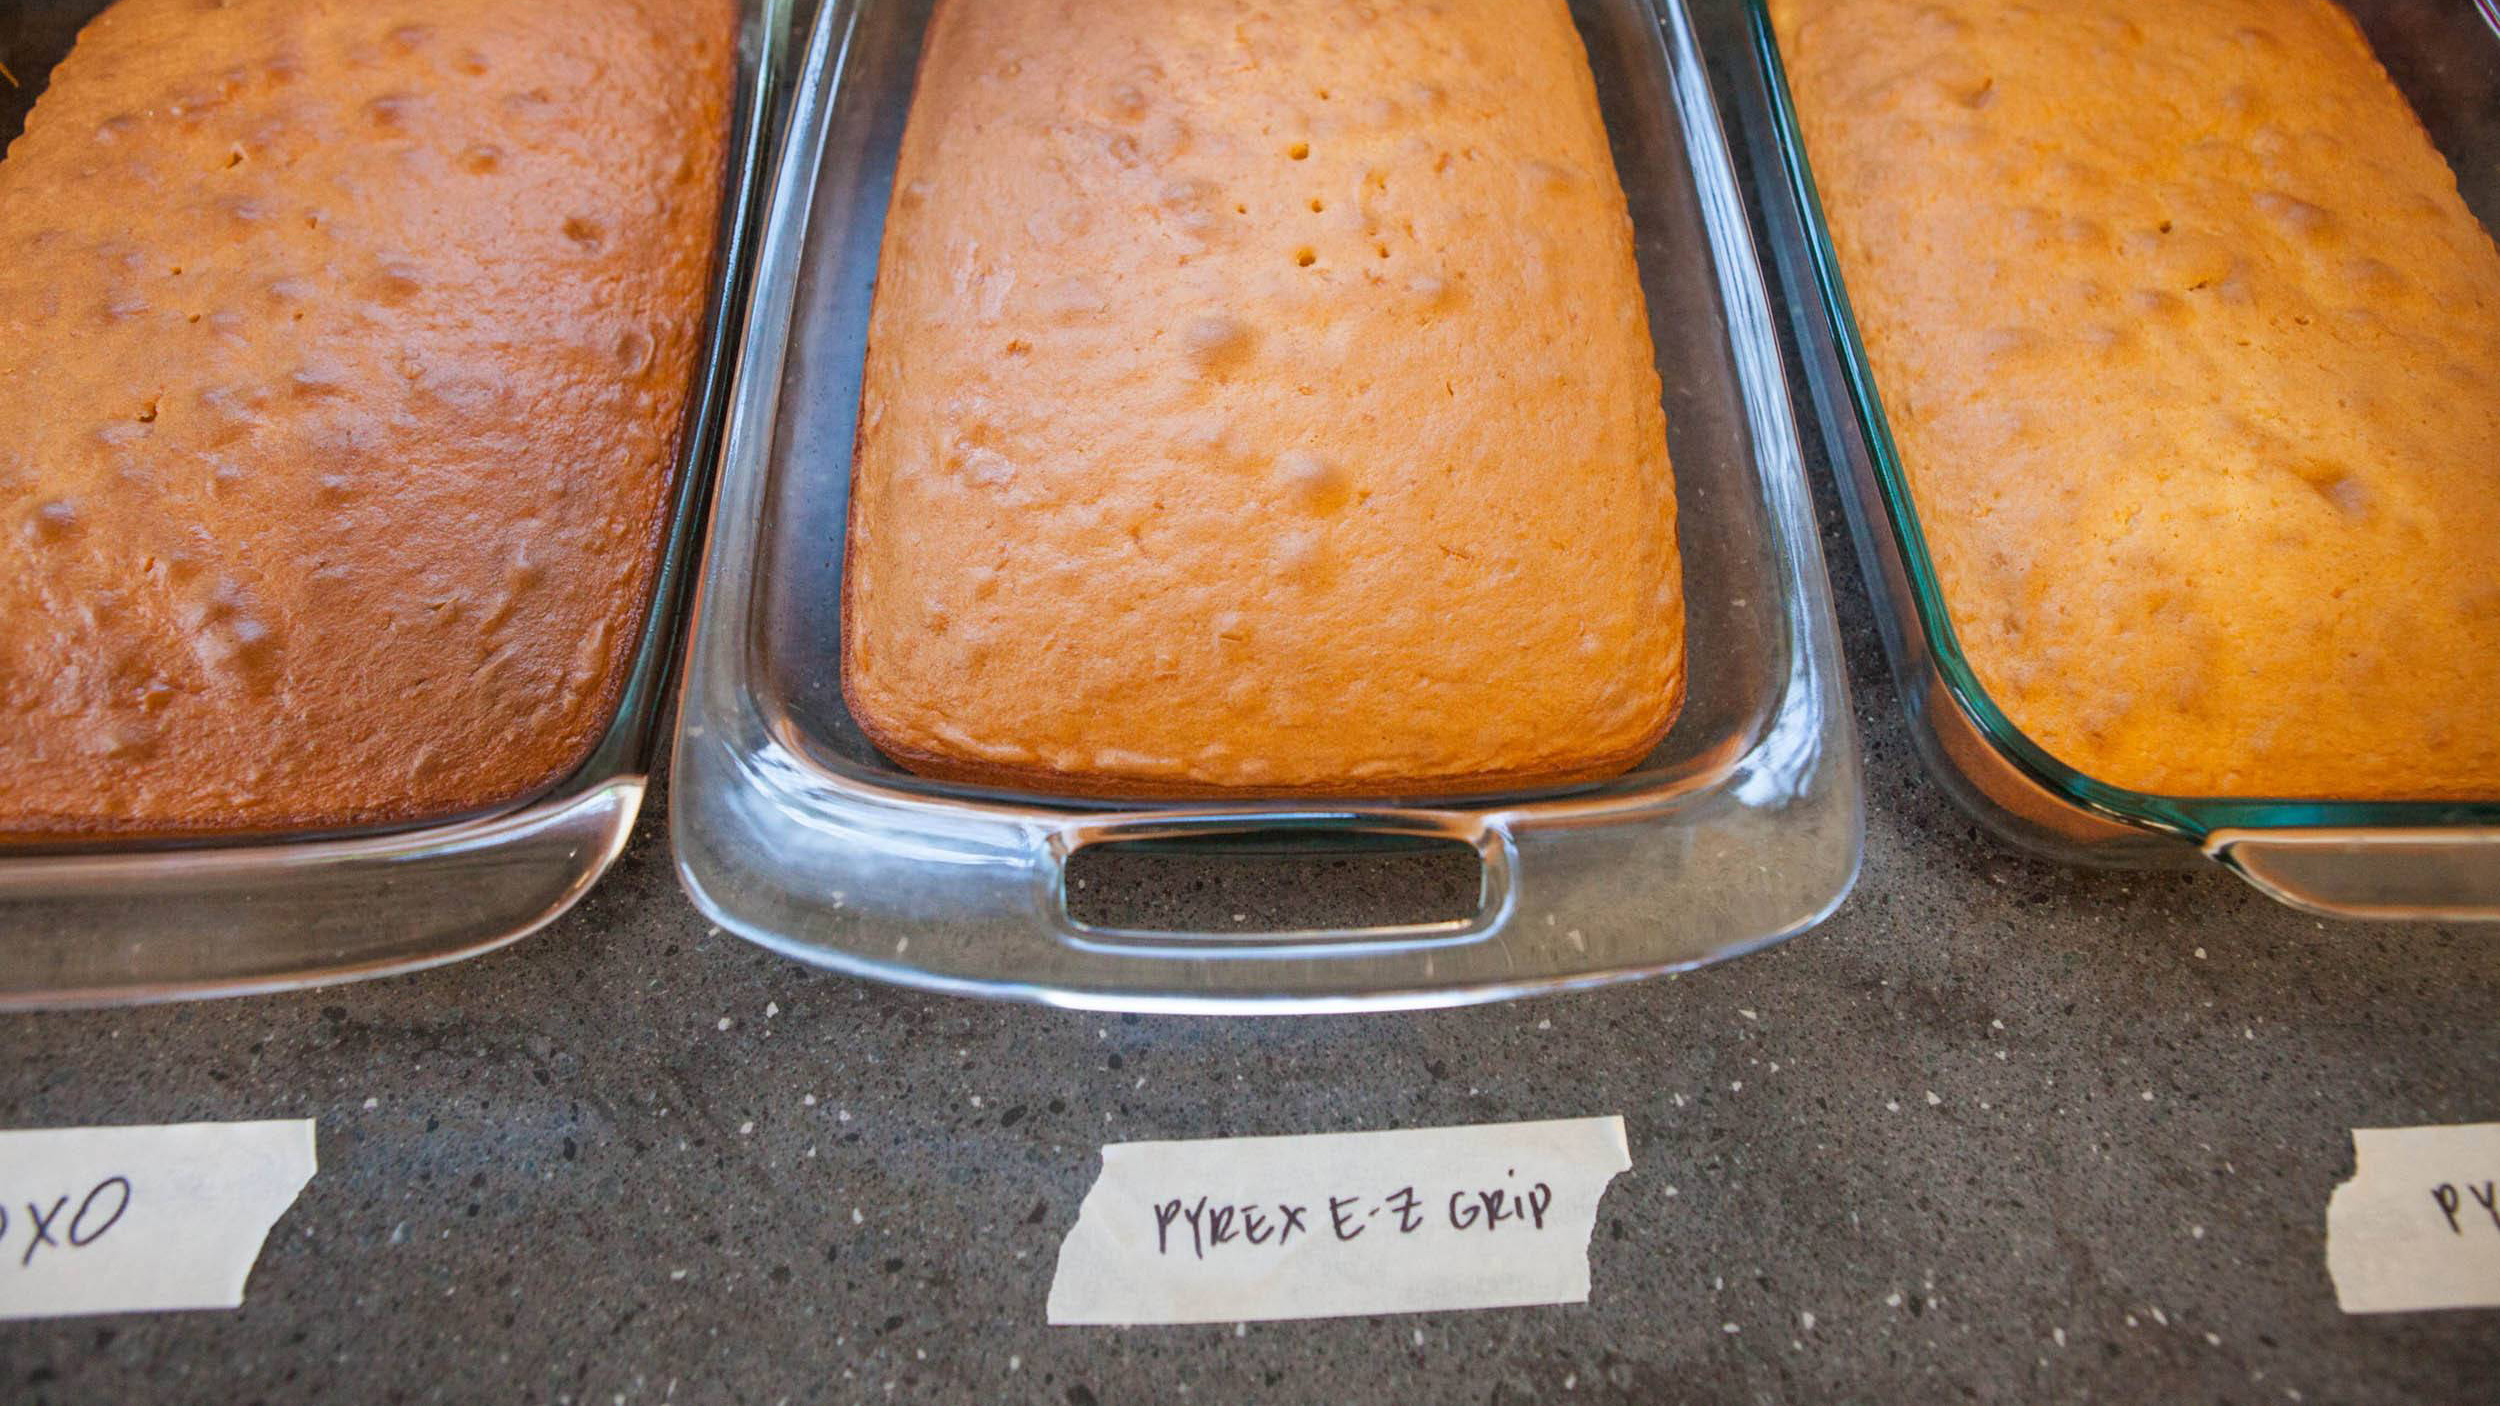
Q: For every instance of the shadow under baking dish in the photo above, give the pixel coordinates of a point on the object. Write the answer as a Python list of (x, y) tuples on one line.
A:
[(1741, 827)]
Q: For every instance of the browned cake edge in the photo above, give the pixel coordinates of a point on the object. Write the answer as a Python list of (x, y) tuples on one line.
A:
[(1095, 786)]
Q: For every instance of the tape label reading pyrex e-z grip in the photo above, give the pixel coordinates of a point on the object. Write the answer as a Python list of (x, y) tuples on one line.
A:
[(1238, 1229)]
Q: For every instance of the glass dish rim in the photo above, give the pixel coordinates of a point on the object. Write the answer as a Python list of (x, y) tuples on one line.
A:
[(2194, 818), (630, 740)]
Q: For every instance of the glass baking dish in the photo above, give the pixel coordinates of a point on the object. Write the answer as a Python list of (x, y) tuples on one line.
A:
[(130, 922), (2385, 860), (1744, 827)]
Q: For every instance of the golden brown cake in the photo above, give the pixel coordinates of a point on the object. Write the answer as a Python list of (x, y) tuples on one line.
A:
[(2190, 348), (1260, 400), (343, 349)]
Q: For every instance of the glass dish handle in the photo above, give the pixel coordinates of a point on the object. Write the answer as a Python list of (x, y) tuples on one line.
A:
[(2450, 875), (1490, 844)]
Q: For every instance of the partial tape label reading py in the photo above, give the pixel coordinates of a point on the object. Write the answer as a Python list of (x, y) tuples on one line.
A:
[(2418, 1226), (1237, 1229), (121, 1220)]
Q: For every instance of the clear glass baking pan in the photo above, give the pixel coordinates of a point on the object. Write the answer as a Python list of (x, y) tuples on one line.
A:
[(1744, 827), (136, 922), (2385, 860)]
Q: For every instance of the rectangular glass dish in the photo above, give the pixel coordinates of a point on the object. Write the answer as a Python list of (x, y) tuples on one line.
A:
[(1743, 827), (2374, 859), (137, 921)]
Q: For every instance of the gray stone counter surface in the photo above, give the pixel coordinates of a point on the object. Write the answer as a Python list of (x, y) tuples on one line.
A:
[(1999, 1131)]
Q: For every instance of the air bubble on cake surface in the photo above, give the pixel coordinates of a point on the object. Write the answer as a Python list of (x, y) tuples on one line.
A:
[(633, 351), (1165, 137), (1060, 222), (984, 467), (1296, 549), (2294, 214), (1126, 101), (116, 739), (392, 110), (53, 521), (315, 380), (2371, 276), (2154, 301), (397, 281), (1546, 177), (1072, 299), (1216, 340), (1312, 481), (2007, 341), (1213, 438)]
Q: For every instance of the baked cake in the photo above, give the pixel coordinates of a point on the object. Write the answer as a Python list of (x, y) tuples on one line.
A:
[(1260, 400), (343, 354), (2189, 345)]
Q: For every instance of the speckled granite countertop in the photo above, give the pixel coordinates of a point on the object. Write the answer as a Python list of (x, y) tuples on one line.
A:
[(1998, 1131)]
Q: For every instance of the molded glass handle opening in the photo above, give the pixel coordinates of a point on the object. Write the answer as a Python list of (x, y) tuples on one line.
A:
[(1211, 880)]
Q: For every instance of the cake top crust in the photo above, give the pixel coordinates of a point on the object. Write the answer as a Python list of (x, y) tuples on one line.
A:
[(2188, 342), (1260, 398), (343, 351)]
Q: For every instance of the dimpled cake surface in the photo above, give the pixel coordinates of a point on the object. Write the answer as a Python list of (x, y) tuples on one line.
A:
[(2189, 345), (1260, 398), (343, 349)]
